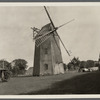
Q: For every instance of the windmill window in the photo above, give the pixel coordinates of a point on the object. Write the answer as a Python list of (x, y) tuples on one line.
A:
[(46, 51), (45, 66)]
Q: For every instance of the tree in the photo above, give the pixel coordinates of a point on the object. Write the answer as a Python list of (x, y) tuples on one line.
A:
[(5, 64), (18, 66), (96, 63), (82, 64), (65, 66), (70, 66), (89, 63), (74, 64)]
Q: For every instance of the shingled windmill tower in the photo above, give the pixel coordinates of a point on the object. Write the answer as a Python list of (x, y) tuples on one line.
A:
[(47, 56)]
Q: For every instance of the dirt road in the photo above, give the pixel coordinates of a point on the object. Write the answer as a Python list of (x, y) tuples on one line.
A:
[(20, 85)]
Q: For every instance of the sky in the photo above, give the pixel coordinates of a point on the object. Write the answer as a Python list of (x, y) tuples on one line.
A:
[(81, 36)]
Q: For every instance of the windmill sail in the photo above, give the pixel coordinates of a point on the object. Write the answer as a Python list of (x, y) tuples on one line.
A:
[(49, 17), (57, 28), (41, 37)]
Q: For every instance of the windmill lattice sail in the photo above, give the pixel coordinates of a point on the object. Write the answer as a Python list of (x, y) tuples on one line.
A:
[(41, 37)]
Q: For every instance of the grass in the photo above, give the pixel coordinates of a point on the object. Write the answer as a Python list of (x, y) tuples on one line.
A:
[(25, 85), (69, 83), (83, 84)]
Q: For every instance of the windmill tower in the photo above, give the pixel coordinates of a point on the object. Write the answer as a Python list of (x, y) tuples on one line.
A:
[(47, 57)]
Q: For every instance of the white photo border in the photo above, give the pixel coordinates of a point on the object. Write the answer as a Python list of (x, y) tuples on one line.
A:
[(50, 96)]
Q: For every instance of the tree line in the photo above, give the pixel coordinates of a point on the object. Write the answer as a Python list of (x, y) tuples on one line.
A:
[(16, 67), (19, 66), (76, 64)]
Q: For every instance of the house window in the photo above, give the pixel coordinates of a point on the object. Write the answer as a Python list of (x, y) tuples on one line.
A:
[(45, 66), (46, 51)]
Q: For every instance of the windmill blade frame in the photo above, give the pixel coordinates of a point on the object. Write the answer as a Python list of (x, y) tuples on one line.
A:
[(36, 38), (41, 41), (65, 23), (56, 43), (63, 44), (40, 36), (49, 17), (56, 31)]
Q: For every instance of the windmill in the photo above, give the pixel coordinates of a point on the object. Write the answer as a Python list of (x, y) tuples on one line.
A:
[(47, 56)]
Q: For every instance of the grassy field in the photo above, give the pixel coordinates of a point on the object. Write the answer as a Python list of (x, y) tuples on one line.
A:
[(83, 84), (24, 85), (69, 83)]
